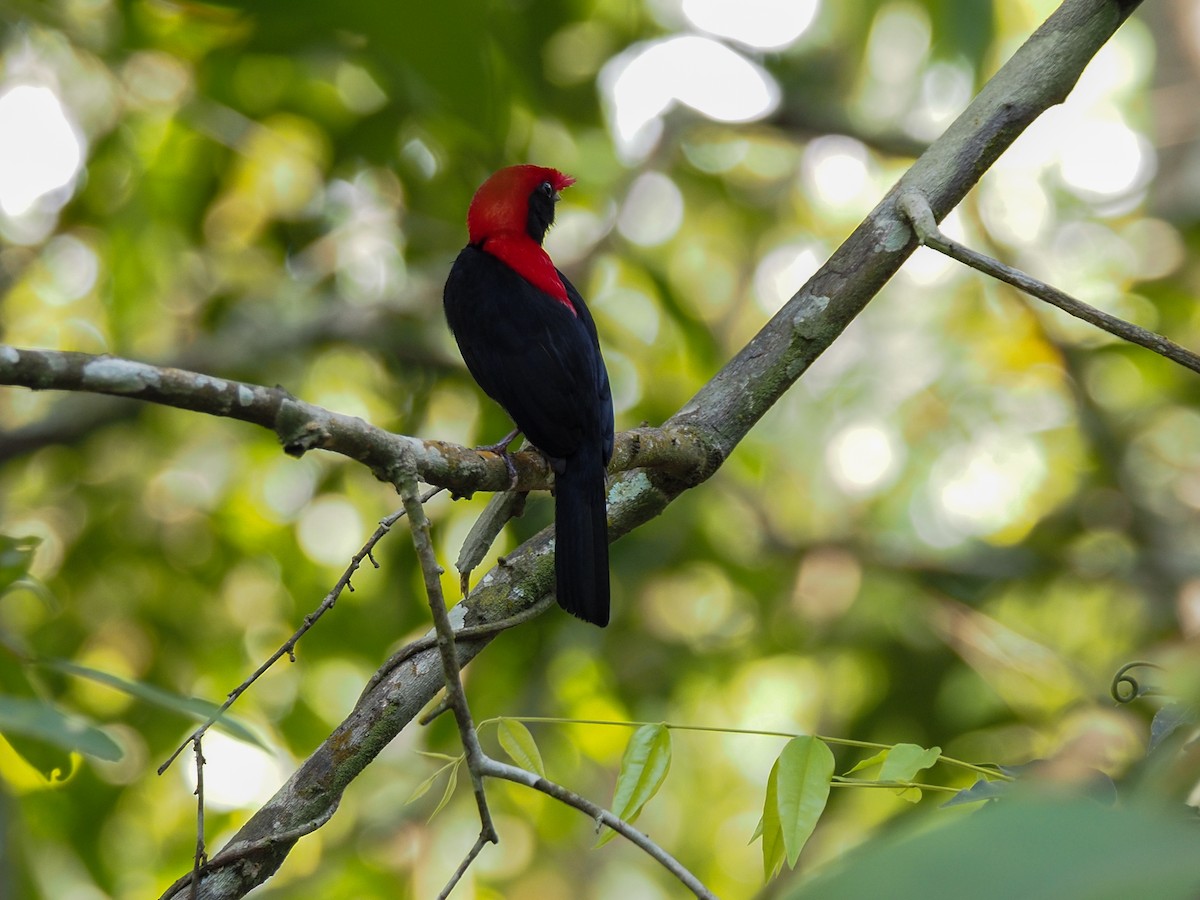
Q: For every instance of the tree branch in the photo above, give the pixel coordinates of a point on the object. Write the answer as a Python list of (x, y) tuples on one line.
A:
[(916, 209), (601, 816), (302, 426), (431, 572)]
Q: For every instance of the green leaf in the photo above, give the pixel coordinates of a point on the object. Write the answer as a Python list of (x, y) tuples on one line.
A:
[(874, 760), (983, 789), (445, 757), (518, 743), (423, 788), (1025, 846), (39, 720), (1166, 721), (644, 767), (904, 761), (451, 784), (192, 707), (769, 827), (805, 768)]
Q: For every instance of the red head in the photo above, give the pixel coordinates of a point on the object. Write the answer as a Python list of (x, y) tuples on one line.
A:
[(508, 218), (500, 207)]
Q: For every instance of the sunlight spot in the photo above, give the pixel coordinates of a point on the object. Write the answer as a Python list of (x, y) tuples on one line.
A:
[(330, 531), (763, 24), (417, 152), (360, 92), (644, 82), (898, 43), (862, 457), (946, 89), (287, 488), (1105, 157), (835, 170), (72, 266), (40, 149), (782, 272), (827, 583), (982, 487), (653, 210), (1014, 207), (237, 775)]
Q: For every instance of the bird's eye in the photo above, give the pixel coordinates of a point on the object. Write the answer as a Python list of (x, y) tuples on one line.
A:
[(546, 188)]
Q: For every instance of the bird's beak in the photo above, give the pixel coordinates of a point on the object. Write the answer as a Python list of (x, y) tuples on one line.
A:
[(557, 196)]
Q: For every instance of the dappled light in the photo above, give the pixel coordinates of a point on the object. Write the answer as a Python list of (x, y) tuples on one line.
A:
[(949, 532), (47, 155)]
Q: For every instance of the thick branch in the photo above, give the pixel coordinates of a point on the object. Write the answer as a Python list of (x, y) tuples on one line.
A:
[(302, 426)]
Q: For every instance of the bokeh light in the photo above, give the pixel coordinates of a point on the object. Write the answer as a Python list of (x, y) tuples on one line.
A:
[(644, 82), (41, 151), (963, 516), (762, 24)]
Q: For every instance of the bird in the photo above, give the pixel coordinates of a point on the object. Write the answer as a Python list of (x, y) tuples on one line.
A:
[(530, 343)]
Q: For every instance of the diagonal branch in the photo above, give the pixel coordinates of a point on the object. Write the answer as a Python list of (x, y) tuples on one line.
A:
[(431, 572), (916, 208)]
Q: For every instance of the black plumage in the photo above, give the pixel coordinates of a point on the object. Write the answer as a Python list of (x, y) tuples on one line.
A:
[(539, 358)]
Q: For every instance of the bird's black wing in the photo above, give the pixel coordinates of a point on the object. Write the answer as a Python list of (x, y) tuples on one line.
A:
[(604, 402), (530, 353)]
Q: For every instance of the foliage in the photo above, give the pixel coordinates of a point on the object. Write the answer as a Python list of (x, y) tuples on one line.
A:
[(962, 520)]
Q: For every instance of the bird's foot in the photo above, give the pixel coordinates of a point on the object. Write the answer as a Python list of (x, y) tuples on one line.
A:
[(500, 448)]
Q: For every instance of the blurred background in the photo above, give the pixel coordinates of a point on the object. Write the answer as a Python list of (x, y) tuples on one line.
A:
[(951, 532)]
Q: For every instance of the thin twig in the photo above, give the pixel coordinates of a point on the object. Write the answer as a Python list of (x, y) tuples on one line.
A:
[(429, 641), (201, 856), (916, 208), (288, 647), (476, 849), (418, 524), (496, 769)]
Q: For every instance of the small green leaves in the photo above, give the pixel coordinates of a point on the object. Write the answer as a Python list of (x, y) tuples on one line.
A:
[(873, 760), (797, 791), (805, 767), (901, 764), (518, 743), (983, 789), (904, 761), (452, 765), (769, 828), (644, 767)]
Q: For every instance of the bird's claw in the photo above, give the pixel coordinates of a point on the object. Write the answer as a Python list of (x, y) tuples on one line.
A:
[(500, 448)]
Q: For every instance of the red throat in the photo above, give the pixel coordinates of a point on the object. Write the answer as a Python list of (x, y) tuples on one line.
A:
[(525, 257), (496, 224)]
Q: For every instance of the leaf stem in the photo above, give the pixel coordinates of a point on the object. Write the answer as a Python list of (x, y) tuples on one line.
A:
[(715, 729)]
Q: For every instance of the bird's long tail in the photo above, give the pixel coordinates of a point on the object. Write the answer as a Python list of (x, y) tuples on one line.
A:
[(581, 537)]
